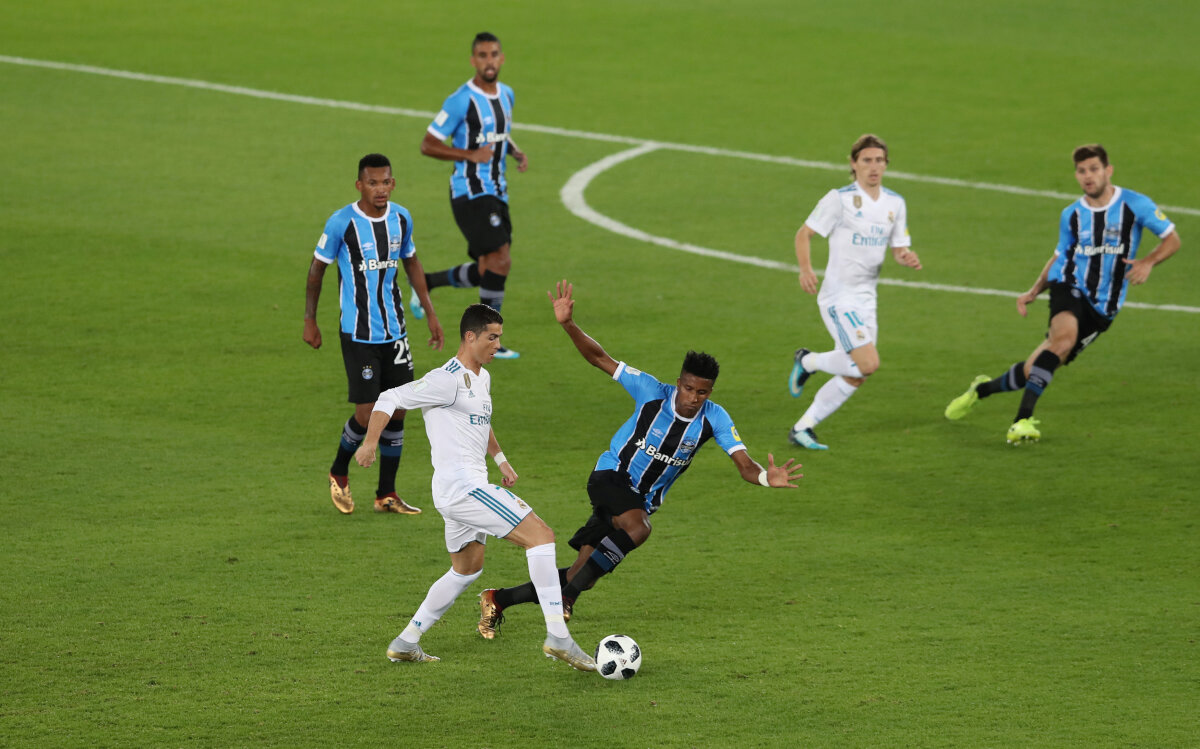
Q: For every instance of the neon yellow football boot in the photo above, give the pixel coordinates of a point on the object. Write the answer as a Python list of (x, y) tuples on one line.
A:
[(1024, 430), (959, 407)]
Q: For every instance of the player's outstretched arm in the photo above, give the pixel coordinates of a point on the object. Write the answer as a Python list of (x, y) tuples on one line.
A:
[(564, 306), (776, 477)]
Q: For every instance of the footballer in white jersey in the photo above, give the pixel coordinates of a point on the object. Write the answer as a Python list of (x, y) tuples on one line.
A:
[(457, 408), (862, 221), (860, 230), (456, 402)]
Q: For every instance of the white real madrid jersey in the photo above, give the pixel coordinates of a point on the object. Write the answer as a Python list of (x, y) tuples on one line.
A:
[(457, 407), (859, 230)]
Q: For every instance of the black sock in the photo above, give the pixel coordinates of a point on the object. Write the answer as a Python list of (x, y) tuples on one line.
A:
[(608, 554), (1013, 379), (391, 444), (525, 593), (352, 437), (458, 276), (1040, 375), (491, 290)]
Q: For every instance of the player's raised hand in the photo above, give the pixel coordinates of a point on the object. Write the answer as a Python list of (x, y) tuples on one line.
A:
[(781, 477), (564, 305)]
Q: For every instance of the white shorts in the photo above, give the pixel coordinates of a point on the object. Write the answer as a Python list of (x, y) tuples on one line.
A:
[(486, 510), (850, 326)]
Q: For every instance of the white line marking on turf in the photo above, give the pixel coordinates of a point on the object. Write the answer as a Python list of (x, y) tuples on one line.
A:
[(572, 197), (572, 191)]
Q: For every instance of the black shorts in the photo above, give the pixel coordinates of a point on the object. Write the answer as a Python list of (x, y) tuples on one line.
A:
[(484, 222), (611, 495), (372, 368), (1066, 298)]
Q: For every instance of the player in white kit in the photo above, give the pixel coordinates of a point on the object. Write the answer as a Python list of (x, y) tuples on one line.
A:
[(456, 403), (861, 220)]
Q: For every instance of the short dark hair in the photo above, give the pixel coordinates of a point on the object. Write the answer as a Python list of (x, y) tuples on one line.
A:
[(701, 365), (1091, 150), (484, 36), (373, 161), (476, 318)]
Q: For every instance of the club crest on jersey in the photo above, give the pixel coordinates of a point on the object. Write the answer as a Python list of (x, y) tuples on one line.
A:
[(858, 202), (368, 373), (494, 220), (687, 445), (395, 244), (891, 215)]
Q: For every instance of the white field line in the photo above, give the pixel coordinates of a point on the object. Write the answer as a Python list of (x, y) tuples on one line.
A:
[(572, 197), (572, 191)]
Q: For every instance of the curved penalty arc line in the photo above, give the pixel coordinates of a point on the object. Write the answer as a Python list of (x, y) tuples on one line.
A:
[(572, 196)]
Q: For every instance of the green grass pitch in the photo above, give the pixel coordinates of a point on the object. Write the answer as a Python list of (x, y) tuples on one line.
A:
[(172, 572)]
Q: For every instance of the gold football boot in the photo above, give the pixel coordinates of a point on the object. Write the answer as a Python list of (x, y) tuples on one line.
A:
[(340, 493)]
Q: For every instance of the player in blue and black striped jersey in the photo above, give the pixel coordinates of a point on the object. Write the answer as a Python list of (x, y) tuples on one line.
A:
[(477, 120), (369, 240), (1093, 265), (669, 425)]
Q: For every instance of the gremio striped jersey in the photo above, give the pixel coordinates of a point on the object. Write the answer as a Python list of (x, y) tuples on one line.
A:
[(369, 252), (656, 445), (474, 118), (1093, 241), (860, 230), (456, 405)]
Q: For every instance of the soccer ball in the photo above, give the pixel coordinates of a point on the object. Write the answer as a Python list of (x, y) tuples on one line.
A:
[(618, 657)]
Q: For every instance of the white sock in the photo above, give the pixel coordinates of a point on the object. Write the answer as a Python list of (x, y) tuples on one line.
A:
[(543, 571), (829, 398), (835, 362), (437, 602)]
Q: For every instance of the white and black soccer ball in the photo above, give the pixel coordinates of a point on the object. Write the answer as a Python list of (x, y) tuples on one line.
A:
[(618, 657)]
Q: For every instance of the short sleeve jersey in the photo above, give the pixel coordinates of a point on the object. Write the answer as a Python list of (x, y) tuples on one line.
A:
[(656, 445), (1092, 242), (368, 252), (473, 118), (456, 405), (859, 230)]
